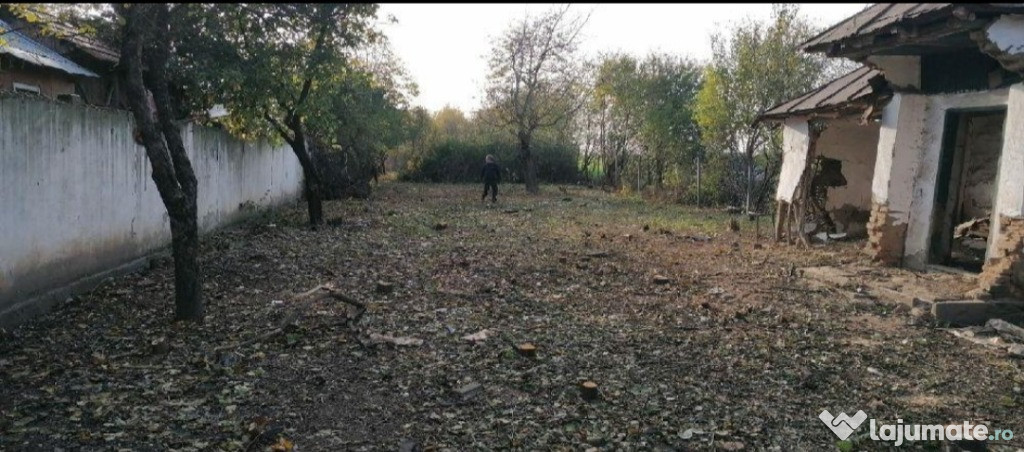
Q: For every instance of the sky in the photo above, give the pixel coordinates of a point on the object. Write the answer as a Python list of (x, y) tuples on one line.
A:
[(444, 46)]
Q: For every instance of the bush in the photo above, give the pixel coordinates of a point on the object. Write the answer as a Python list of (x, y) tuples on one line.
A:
[(345, 173), (461, 161)]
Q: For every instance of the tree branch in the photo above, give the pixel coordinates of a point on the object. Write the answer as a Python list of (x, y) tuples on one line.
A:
[(279, 128)]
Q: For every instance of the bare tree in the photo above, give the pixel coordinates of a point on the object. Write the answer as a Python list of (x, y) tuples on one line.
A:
[(535, 79)]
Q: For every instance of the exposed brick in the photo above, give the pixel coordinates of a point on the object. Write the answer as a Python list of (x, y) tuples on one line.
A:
[(1003, 273), (885, 237)]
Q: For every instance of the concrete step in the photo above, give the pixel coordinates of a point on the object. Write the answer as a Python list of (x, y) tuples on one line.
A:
[(977, 312)]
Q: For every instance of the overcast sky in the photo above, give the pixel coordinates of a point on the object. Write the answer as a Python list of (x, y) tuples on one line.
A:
[(444, 47)]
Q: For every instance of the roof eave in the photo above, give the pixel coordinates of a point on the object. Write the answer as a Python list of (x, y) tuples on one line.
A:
[(80, 72)]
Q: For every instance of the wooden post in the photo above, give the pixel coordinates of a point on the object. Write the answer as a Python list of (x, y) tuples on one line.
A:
[(806, 178), (788, 219), (780, 207)]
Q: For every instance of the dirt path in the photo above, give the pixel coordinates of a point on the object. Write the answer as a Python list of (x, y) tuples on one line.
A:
[(734, 350)]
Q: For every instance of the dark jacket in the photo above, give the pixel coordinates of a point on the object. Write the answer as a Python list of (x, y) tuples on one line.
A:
[(491, 173)]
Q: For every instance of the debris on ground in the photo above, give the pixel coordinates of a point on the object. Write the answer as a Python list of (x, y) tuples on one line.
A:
[(478, 336), (996, 333), (399, 341), (469, 391), (746, 352)]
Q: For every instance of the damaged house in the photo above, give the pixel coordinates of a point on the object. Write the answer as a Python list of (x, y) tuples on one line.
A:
[(62, 63), (921, 150), (28, 66)]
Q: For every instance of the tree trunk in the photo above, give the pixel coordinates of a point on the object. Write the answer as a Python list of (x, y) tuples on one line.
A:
[(314, 198), (698, 181), (748, 192), (530, 160), (659, 172), (312, 185), (780, 211), (532, 184), (161, 137), (188, 278), (639, 165)]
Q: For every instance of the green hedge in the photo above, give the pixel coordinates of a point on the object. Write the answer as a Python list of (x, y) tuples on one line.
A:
[(457, 161)]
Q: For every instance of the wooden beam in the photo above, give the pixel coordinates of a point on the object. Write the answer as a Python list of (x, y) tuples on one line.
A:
[(936, 30), (962, 13)]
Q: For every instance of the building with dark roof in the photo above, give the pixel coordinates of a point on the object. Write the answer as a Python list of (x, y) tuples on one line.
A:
[(28, 66), (928, 135)]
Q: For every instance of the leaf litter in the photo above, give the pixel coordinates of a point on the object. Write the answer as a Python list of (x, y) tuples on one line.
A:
[(410, 336)]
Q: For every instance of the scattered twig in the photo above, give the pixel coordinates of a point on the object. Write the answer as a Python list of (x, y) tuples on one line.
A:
[(309, 296)]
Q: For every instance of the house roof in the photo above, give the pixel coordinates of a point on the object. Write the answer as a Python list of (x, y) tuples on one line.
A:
[(890, 20), (26, 49), (858, 85), (872, 19), (68, 32)]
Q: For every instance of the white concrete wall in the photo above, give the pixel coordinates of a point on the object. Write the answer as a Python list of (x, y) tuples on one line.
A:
[(77, 197), (1010, 183), (856, 147), (900, 141), (795, 141), (929, 150)]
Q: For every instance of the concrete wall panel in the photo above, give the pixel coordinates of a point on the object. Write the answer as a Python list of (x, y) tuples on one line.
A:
[(77, 197)]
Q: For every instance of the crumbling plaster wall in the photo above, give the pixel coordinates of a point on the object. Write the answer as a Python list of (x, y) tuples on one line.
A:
[(856, 146), (1010, 194), (900, 141), (795, 140), (919, 227), (1003, 273), (981, 165)]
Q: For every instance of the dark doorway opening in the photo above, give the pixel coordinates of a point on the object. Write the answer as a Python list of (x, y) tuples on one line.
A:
[(965, 188)]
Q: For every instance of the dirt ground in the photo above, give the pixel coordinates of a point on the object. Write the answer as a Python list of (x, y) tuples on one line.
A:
[(728, 349)]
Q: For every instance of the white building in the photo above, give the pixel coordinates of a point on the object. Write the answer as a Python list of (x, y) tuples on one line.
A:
[(929, 136)]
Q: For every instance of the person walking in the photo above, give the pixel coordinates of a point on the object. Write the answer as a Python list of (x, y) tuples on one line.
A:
[(491, 175)]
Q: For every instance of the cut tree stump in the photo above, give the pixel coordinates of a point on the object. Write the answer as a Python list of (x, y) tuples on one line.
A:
[(385, 288), (528, 350), (588, 390)]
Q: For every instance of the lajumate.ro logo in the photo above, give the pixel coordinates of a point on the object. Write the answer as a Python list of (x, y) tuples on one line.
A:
[(844, 426)]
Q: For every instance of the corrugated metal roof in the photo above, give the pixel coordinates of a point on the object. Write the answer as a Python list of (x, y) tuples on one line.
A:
[(872, 19), (835, 94), (875, 18), (68, 32), (24, 48)]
